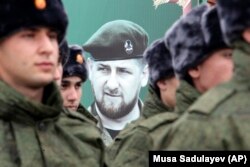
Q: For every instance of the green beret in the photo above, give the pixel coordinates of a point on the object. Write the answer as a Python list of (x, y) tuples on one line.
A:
[(117, 40)]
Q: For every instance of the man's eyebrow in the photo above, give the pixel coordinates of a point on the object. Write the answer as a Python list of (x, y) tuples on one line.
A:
[(35, 28), (104, 65), (123, 68), (65, 81)]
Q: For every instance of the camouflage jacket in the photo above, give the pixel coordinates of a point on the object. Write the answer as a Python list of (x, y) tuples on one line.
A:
[(151, 133), (186, 95), (153, 105), (220, 119), (40, 135), (82, 110)]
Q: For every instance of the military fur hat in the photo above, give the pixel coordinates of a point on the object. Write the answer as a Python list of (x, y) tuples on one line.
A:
[(63, 52), (76, 64), (234, 18), (117, 40), (159, 62), (212, 31), (186, 42), (18, 14)]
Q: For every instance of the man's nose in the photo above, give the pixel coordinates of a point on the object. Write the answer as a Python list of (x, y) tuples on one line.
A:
[(72, 94), (46, 45), (112, 82)]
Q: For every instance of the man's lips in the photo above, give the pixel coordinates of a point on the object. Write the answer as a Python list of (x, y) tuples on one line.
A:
[(71, 107), (112, 95), (45, 65)]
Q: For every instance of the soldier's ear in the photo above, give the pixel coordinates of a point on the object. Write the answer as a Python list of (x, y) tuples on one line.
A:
[(90, 67), (246, 35), (162, 84), (145, 75), (194, 72)]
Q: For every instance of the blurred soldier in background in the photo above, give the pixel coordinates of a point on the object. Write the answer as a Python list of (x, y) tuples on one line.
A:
[(219, 119)]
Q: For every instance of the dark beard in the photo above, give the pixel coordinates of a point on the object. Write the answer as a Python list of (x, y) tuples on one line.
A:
[(120, 112)]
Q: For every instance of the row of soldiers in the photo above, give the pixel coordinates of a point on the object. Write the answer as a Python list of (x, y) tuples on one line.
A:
[(198, 92)]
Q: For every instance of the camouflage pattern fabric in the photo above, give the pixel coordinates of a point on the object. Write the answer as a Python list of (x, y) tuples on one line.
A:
[(131, 146), (40, 135)]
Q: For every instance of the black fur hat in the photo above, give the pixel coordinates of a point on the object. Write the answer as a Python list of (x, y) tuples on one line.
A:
[(212, 31), (18, 14), (234, 18), (76, 64), (63, 52), (186, 42), (159, 62)]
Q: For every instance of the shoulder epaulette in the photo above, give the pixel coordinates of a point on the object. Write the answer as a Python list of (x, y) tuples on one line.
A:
[(210, 100)]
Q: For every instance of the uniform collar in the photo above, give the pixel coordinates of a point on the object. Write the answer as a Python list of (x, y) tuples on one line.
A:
[(15, 106), (153, 104), (241, 57), (186, 95)]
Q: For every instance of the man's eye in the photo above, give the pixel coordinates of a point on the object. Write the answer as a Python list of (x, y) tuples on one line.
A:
[(63, 86), (103, 69), (53, 35), (78, 86), (228, 55), (29, 35)]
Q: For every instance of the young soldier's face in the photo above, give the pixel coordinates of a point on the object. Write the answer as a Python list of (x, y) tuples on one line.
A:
[(71, 92), (116, 85), (217, 69), (29, 57)]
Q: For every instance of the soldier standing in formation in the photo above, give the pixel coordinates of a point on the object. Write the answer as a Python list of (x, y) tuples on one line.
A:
[(33, 131)]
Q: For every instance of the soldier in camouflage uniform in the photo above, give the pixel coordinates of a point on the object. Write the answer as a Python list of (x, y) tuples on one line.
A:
[(74, 75), (187, 62), (33, 129), (220, 118)]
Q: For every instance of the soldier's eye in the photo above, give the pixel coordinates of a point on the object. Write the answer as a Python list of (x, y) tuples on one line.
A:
[(227, 55)]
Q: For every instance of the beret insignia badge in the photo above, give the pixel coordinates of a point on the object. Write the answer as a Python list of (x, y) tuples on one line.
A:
[(128, 47)]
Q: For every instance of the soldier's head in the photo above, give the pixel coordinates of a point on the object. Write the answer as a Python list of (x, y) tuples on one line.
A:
[(234, 19), (116, 68), (199, 54), (161, 73), (30, 33), (74, 74)]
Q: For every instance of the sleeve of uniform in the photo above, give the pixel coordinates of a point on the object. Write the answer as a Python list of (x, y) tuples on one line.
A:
[(201, 132), (130, 150), (87, 135)]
